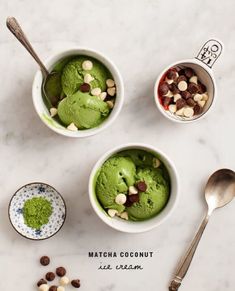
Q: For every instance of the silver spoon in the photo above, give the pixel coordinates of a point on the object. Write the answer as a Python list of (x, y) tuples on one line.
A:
[(219, 191), (51, 80)]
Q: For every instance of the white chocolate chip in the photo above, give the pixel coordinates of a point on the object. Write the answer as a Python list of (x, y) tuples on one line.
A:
[(88, 78), (182, 85), (120, 199), (205, 97), (60, 288), (110, 104), (43, 287), (110, 83), (201, 103), (172, 108), (96, 91), (87, 65), (103, 95), (156, 163), (188, 112), (72, 127), (112, 212), (64, 280), (132, 190), (180, 112), (197, 97), (53, 111), (193, 79), (176, 97), (169, 81), (111, 91), (124, 215), (168, 94)]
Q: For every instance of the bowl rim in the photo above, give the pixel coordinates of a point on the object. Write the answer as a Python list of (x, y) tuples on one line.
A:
[(193, 61), (25, 236), (97, 55), (107, 155)]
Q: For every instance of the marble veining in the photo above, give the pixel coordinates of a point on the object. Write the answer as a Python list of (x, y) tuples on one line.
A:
[(141, 37)]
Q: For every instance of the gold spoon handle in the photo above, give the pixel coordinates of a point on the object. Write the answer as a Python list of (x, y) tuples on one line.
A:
[(187, 258), (15, 28)]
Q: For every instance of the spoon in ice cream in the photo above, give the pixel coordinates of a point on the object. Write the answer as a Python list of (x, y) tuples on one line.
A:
[(51, 81), (219, 191)]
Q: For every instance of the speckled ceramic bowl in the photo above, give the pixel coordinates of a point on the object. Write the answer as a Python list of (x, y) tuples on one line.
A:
[(56, 219)]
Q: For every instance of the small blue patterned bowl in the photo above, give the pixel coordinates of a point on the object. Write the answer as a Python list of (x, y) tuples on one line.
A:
[(56, 219)]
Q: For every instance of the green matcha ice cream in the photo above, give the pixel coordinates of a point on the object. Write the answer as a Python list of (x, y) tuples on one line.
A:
[(85, 94), (140, 177)]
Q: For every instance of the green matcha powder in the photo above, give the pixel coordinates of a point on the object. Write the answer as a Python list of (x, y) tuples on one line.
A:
[(36, 212)]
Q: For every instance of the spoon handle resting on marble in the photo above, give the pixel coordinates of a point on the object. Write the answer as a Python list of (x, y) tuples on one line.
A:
[(17, 31), (187, 258)]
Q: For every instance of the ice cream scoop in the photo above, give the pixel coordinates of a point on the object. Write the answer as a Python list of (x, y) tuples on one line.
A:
[(51, 87)]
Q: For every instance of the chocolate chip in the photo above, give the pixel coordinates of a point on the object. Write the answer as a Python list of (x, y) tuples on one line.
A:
[(60, 271), (141, 186), (173, 88), (180, 103), (188, 72), (171, 74), (190, 102), (181, 78), (108, 98), (166, 101), (53, 288), (85, 87), (163, 88), (185, 94), (193, 88), (201, 88), (40, 282), (45, 260), (197, 109), (181, 72), (128, 202), (50, 276), (76, 283), (134, 198)]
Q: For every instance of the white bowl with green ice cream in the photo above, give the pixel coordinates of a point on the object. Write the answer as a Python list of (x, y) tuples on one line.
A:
[(121, 169), (87, 113)]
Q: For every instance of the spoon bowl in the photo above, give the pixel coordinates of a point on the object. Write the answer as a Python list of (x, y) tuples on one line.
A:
[(220, 189)]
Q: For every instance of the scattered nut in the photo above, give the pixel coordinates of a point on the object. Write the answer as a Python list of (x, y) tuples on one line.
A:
[(60, 271), (96, 91), (45, 260), (120, 199), (110, 83), (76, 283), (111, 91), (132, 190), (87, 65), (156, 163), (112, 212), (53, 111), (72, 127)]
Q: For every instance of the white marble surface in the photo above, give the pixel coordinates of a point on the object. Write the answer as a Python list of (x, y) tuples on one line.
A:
[(141, 37)]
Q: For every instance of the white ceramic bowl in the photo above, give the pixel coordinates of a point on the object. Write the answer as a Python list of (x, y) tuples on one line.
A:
[(204, 74), (43, 111), (135, 226)]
